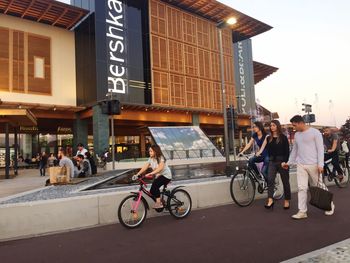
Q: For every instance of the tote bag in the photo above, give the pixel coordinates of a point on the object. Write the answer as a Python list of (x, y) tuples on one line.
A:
[(320, 196)]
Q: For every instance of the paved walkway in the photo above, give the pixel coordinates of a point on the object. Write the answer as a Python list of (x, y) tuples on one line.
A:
[(339, 252), (27, 179), (221, 234)]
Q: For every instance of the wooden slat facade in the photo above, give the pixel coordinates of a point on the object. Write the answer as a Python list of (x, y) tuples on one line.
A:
[(246, 26), (185, 63), (18, 51), (44, 11), (262, 71)]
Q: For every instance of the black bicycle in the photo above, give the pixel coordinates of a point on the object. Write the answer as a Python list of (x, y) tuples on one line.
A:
[(243, 185), (332, 174), (132, 210)]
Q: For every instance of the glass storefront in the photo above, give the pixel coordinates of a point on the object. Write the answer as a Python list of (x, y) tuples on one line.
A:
[(3, 149), (65, 141), (127, 147)]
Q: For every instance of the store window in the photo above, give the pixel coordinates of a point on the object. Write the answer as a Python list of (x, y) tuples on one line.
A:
[(127, 147), (39, 67), (65, 141), (3, 149)]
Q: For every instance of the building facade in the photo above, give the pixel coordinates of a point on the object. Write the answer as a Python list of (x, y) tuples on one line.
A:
[(160, 59)]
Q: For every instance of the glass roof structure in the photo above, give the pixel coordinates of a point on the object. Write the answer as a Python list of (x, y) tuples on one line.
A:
[(184, 142)]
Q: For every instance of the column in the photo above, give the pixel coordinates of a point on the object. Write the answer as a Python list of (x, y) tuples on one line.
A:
[(7, 151), (100, 123), (15, 163), (80, 132), (195, 119)]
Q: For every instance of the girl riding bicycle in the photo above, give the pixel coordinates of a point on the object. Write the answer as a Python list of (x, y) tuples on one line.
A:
[(258, 137), (161, 171)]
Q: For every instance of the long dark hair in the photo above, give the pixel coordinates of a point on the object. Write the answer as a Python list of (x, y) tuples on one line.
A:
[(279, 131), (260, 125), (158, 152)]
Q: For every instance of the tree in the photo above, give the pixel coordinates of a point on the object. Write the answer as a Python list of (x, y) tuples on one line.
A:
[(345, 130)]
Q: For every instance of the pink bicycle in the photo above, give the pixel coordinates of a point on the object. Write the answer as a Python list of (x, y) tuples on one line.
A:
[(132, 210)]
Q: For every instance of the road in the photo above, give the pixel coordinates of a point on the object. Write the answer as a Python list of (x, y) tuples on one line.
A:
[(221, 234)]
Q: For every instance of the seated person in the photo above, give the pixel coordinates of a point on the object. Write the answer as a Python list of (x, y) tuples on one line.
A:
[(65, 161), (85, 167)]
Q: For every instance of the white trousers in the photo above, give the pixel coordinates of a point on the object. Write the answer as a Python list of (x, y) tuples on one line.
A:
[(306, 174)]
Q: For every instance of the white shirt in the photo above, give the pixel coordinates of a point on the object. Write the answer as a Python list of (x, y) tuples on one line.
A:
[(308, 148), (345, 147), (166, 172), (82, 152)]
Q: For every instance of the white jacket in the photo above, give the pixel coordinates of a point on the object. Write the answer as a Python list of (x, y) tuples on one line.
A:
[(344, 147)]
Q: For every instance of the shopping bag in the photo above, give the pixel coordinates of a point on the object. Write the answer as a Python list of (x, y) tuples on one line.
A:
[(59, 175), (320, 196)]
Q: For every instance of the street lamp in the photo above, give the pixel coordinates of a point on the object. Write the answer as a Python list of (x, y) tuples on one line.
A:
[(221, 25)]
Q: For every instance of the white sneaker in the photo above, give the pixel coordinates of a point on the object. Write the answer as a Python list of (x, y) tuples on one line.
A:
[(300, 215), (330, 212)]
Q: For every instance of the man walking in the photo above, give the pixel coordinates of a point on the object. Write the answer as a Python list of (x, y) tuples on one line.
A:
[(42, 164), (308, 155)]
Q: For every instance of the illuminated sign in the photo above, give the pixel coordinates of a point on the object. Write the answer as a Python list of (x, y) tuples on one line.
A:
[(244, 77), (116, 47), (28, 129)]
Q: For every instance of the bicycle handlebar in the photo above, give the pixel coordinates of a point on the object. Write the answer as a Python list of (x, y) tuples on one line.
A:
[(140, 177), (246, 156)]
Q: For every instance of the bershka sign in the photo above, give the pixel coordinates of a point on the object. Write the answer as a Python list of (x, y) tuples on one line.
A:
[(244, 76), (116, 47)]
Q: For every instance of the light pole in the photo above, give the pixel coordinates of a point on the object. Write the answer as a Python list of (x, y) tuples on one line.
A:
[(231, 21), (110, 94)]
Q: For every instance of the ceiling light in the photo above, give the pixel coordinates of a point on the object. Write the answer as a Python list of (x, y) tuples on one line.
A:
[(231, 21)]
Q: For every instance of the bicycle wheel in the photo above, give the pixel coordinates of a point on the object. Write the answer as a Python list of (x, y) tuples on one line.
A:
[(129, 217), (345, 181), (242, 188), (179, 203), (278, 191)]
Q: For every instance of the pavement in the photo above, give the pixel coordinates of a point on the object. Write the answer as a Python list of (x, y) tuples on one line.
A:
[(220, 234), (338, 252), (27, 179)]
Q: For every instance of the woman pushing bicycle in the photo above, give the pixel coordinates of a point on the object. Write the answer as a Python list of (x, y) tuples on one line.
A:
[(161, 171)]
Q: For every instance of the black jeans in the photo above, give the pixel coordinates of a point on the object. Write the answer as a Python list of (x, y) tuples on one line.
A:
[(157, 183), (274, 168), (42, 169), (335, 161)]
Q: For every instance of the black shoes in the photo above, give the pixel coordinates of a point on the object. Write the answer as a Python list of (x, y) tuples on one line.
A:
[(270, 206)]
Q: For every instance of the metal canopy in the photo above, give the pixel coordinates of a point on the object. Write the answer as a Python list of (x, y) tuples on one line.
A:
[(246, 26), (44, 11)]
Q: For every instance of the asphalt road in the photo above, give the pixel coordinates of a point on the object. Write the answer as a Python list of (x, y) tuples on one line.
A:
[(221, 234)]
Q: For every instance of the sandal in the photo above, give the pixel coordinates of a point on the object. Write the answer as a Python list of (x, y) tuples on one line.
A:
[(158, 206)]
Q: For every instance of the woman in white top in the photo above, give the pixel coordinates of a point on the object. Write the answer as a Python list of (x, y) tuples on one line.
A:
[(161, 171)]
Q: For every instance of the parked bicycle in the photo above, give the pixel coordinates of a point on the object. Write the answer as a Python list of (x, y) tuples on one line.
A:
[(244, 182), (101, 162), (332, 175), (132, 210)]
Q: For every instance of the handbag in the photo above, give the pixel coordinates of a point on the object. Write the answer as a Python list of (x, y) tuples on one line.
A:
[(320, 196)]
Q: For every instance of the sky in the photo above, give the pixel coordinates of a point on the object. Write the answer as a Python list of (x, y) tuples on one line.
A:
[(310, 44)]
